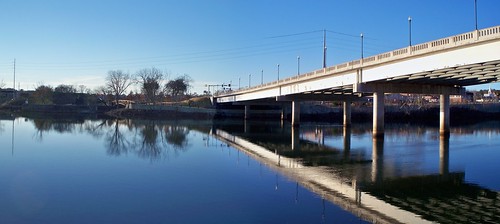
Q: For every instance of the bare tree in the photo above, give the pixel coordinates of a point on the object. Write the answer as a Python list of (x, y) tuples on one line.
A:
[(117, 82), (103, 94), (150, 82)]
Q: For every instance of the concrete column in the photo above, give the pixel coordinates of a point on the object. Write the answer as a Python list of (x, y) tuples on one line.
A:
[(444, 155), (247, 112), (295, 113), (295, 138), (378, 160), (282, 116), (347, 143), (378, 114), (347, 113), (444, 114)]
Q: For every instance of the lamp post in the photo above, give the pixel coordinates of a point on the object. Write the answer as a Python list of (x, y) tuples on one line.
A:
[(361, 45), (278, 72), (298, 65), (409, 27), (324, 48), (475, 12), (249, 78), (262, 77)]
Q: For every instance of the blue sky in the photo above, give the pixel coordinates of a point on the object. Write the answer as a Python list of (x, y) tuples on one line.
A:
[(76, 42)]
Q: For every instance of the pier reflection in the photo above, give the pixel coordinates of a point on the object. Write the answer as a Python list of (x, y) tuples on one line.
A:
[(377, 183)]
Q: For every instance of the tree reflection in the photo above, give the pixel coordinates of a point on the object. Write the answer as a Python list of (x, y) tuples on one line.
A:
[(148, 139), (117, 143), (41, 127), (149, 147), (176, 136), (151, 140), (58, 125)]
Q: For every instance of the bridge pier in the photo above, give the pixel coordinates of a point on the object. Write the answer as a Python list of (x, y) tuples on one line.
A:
[(377, 160), (295, 138), (247, 112), (444, 155), (378, 114), (282, 115), (444, 114), (295, 113), (347, 143), (347, 113)]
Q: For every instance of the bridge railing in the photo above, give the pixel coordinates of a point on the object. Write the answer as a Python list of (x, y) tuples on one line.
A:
[(410, 51)]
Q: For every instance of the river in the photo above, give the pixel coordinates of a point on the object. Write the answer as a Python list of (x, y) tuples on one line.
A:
[(69, 170)]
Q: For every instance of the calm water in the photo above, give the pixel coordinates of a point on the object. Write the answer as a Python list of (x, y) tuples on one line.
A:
[(136, 171)]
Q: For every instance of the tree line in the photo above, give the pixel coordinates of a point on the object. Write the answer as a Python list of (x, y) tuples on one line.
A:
[(152, 82)]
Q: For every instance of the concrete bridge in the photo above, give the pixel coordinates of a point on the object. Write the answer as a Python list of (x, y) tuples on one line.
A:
[(443, 67)]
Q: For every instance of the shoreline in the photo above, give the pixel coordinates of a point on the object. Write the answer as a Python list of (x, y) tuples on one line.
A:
[(459, 114)]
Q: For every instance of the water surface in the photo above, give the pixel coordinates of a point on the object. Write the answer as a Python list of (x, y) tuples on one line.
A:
[(138, 171)]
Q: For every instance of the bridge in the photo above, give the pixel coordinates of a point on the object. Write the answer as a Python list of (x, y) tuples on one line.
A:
[(443, 67)]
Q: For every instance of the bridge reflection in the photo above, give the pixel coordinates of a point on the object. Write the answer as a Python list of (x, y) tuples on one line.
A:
[(329, 161)]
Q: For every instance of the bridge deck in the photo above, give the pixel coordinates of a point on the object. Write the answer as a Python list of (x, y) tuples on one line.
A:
[(448, 70)]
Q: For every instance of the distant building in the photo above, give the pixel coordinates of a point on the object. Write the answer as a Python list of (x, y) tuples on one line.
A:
[(490, 96), (467, 98)]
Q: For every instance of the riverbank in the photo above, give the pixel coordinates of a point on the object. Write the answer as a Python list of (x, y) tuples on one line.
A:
[(459, 113)]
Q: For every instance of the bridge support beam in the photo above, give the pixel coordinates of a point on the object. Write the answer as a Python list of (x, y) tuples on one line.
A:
[(378, 114), (444, 114), (295, 113), (347, 113)]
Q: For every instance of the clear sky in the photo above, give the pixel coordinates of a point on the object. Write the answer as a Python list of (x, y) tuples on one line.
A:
[(76, 42)]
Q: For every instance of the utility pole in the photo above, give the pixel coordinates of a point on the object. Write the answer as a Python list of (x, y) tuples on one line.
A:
[(14, 84)]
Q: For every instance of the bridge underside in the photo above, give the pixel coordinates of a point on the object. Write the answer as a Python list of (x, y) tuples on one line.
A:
[(445, 82), (440, 81)]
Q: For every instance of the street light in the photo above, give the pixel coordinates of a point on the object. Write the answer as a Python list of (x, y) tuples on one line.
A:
[(278, 72), (298, 65), (249, 78), (361, 45), (262, 77), (409, 26), (475, 11)]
